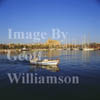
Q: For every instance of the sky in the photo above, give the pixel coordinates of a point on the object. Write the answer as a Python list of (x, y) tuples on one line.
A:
[(76, 17)]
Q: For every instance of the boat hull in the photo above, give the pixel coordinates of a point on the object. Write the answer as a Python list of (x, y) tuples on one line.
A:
[(88, 49), (50, 63)]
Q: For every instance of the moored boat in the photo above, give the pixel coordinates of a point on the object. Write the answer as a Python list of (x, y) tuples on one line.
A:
[(24, 49), (88, 49)]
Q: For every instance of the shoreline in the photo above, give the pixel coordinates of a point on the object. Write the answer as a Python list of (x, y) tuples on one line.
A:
[(20, 50)]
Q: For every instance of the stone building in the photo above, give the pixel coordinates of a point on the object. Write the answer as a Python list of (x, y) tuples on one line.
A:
[(53, 42)]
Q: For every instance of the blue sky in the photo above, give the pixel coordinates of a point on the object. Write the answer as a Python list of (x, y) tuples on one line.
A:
[(77, 17)]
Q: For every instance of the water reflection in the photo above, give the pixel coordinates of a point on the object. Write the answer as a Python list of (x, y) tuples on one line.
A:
[(50, 68), (51, 53), (86, 55), (66, 57)]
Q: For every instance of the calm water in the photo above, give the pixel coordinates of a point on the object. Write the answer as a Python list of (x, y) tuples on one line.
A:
[(86, 65)]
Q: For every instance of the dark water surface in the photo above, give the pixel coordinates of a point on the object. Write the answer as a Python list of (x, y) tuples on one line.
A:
[(86, 65)]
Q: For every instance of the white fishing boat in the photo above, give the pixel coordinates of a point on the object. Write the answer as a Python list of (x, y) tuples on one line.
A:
[(35, 61)]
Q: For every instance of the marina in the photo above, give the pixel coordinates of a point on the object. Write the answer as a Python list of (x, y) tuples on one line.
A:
[(50, 49)]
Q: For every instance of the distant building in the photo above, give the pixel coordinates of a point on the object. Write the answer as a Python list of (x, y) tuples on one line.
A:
[(53, 43)]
